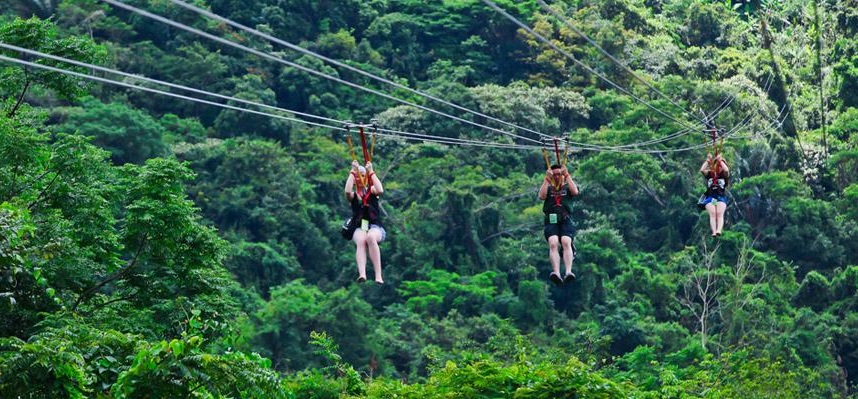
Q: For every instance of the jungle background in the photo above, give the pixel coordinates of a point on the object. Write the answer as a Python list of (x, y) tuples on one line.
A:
[(155, 247)]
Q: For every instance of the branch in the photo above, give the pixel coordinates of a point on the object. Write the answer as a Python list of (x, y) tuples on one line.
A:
[(43, 192), (508, 197), (29, 185), (113, 277), (114, 300), (508, 231), (646, 189), (12, 112)]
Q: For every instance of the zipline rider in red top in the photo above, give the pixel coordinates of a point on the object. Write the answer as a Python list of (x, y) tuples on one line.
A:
[(557, 191), (717, 175), (362, 189)]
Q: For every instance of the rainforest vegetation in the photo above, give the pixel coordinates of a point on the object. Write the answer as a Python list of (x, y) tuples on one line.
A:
[(156, 247)]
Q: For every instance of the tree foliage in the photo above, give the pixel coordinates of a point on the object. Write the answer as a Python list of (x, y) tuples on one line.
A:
[(152, 247)]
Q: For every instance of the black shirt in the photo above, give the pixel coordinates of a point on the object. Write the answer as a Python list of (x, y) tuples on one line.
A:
[(717, 186), (564, 209), (370, 212)]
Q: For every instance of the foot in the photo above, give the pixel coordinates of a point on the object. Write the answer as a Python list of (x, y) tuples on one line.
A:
[(555, 278), (714, 235), (718, 234), (569, 277), (379, 282), (361, 279)]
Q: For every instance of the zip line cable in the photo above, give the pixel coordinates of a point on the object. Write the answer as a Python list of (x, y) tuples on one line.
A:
[(392, 133), (711, 116), (184, 27), (579, 63), (448, 140), (401, 135), (744, 122), (268, 56), (747, 119), (243, 101), (311, 53), (724, 104), (221, 96), (589, 69), (207, 93), (729, 99), (405, 135), (566, 22), (159, 82)]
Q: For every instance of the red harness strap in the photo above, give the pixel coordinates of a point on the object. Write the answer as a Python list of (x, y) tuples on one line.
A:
[(363, 188), (557, 187), (366, 156), (558, 195)]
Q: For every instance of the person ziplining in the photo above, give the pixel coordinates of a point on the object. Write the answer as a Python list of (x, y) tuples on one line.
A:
[(363, 189), (556, 192), (717, 176)]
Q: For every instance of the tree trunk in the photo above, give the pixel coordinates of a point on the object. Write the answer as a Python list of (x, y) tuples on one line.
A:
[(819, 74), (778, 91)]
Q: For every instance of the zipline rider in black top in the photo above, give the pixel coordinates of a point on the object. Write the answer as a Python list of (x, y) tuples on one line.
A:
[(557, 191), (362, 189)]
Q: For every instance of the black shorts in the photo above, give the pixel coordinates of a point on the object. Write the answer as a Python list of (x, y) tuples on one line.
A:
[(563, 228)]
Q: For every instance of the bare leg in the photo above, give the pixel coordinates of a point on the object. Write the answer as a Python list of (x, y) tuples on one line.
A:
[(568, 255), (713, 219), (372, 239), (554, 254), (719, 216), (360, 251)]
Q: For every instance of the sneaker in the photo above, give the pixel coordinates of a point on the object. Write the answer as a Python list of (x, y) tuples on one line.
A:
[(555, 278), (569, 277)]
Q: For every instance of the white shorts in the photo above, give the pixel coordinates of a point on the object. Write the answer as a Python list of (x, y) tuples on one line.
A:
[(376, 227), (383, 232)]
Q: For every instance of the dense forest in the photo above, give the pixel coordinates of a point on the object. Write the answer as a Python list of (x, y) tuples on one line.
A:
[(154, 246)]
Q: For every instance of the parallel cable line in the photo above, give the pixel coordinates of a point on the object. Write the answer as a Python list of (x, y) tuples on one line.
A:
[(396, 134), (198, 91), (579, 63), (711, 116), (184, 27), (155, 81), (393, 133), (405, 135), (302, 50), (229, 98), (747, 119), (280, 60)]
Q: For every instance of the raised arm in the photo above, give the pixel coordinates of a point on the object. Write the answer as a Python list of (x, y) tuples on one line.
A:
[(350, 182), (377, 188), (722, 165), (704, 169), (543, 190), (573, 188)]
